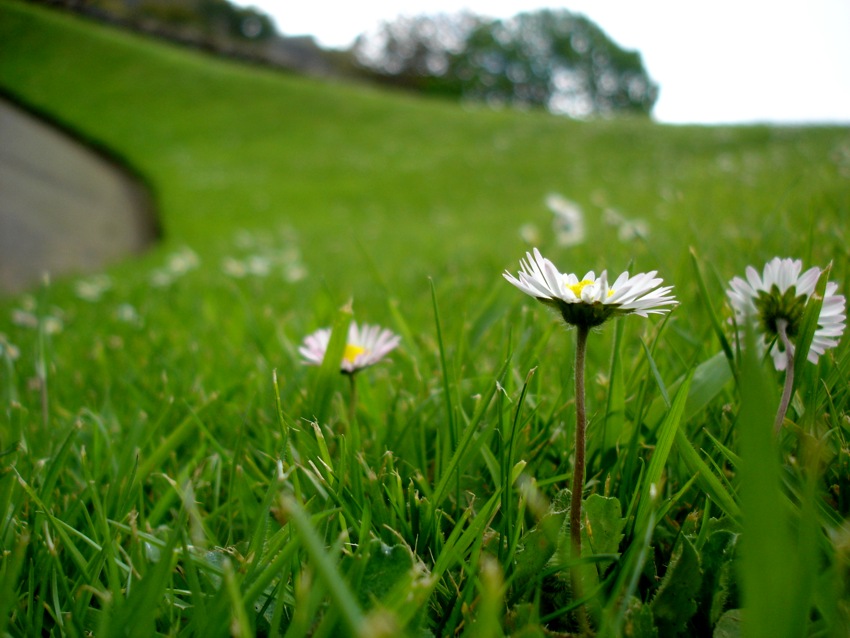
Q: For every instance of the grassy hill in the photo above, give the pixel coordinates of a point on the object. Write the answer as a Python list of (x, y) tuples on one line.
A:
[(140, 405)]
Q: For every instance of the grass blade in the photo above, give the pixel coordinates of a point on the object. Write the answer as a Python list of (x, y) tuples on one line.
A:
[(809, 324), (712, 314), (706, 479), (768, 580), (327, 377), (336, 585), (665, 438)]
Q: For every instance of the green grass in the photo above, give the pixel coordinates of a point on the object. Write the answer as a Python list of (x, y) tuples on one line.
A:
[(169, 466)]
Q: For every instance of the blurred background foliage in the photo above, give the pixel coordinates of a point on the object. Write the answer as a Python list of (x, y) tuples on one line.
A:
[(551, 59), (548, 58)]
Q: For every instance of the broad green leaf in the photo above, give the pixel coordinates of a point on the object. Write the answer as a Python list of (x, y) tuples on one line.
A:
[(386, 566), (709, 379), (729, 625), (674, 603), (718, 583), (604, 524), (538, 545), (639, 621)]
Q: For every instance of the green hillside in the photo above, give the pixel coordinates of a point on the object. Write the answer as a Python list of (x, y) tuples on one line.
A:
[(140, 419), (230, 147)]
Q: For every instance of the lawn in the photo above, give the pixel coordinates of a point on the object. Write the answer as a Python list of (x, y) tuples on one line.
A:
[(169, 464)]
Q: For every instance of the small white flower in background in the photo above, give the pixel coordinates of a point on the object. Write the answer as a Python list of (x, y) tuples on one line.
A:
[(294, 272), (366, 346), (8, 350), (268, 255), (92, 288), (258, 265), (632, 229), (591, 300), (52, 324), (612, 217), (245, 239), (530, 234), (627, 229), (127, 313), (161, 278), (182, 261), (781, 293), (568, 223), (233, 267), (24, 318), (177, 264)]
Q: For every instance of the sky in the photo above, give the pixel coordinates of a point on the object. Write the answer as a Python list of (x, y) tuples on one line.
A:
[(716, 62)]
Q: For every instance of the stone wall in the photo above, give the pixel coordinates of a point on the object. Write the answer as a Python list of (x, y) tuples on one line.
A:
[(64, 207)]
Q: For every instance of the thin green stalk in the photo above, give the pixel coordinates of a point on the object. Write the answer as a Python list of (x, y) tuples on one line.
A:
[(781, 328), (578, 472), (352, 412), (356, 446)]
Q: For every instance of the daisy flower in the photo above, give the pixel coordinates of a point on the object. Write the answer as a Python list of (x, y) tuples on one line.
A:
[(586, 303), (591, 300), (366, 346), (568, 221), (780, 294)]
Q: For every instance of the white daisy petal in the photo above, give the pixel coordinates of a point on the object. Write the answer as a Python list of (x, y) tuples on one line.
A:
[(591, 300), (366, 346), (758, 294)]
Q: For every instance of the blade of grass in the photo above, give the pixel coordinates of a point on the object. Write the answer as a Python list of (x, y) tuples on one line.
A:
[(706, 478), (508, 463), (666, 436), (10, 570), (286, 437), (768, 577), (463, 447), (712, 314), (809, 324), (326, 378), (656, 375), (615, 409), (180, 433), (447, 392), (327, 571)]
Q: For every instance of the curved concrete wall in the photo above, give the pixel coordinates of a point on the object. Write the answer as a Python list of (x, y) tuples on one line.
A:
[(64, 208)]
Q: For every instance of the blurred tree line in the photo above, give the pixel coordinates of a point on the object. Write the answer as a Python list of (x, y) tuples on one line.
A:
[(217, 26), (212, 18), (548, 58)]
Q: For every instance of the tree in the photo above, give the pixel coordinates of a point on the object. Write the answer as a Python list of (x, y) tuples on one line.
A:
[(548, 58), (417, 52)]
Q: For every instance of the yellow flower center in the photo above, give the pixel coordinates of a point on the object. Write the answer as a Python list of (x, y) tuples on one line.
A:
[(611, 292), (352, 352), (577, 288)]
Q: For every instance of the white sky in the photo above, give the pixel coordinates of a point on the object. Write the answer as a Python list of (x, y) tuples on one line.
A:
[(720, 61)]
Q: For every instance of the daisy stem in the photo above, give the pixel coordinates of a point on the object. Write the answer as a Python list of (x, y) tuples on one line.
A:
[(578, 473), (781, 328), (352, 413)]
